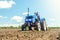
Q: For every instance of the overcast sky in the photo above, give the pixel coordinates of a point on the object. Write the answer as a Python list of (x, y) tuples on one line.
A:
[(13, 12)]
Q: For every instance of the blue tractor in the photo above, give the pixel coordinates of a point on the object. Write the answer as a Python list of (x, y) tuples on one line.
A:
[(34, 21)]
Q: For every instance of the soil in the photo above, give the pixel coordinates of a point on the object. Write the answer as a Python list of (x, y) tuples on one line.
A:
[(17, 34)]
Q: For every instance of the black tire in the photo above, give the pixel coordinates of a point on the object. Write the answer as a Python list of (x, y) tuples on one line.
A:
[(23, 27), (30, 28)]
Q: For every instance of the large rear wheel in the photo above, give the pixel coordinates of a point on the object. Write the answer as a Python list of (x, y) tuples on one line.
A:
[(45, 25)]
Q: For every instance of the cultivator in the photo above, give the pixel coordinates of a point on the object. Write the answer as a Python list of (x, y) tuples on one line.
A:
[(34, 22)]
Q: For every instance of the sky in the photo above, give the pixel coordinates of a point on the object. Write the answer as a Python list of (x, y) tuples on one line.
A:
[(13, 12)]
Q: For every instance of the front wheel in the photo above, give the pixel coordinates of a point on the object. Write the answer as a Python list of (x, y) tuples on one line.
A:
[(23, 27)]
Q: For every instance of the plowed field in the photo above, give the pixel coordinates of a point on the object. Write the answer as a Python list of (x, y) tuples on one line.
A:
[(17, 34)]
